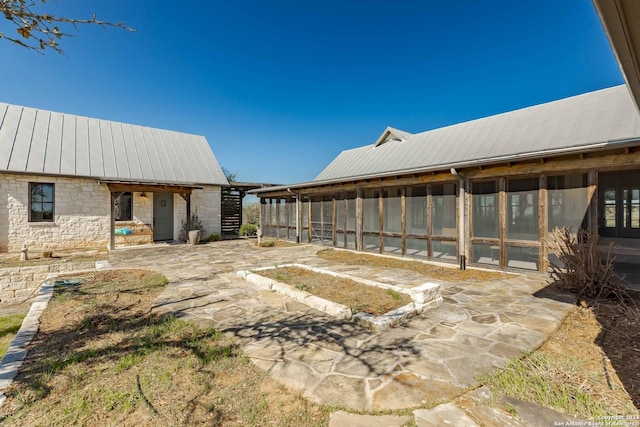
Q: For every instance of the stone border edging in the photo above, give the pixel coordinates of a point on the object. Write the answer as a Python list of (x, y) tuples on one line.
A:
[(17, 352), (423, 297)]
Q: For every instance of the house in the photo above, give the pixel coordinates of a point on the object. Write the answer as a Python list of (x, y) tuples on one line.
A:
[(76, 182), (487, 192)]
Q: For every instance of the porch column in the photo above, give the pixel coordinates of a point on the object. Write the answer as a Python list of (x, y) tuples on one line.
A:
[(112, 220), (462, 247), (358, 219), (187, 198)]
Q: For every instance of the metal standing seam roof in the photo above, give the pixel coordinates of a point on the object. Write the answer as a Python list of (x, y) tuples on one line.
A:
[(574, 124), (45, 142)]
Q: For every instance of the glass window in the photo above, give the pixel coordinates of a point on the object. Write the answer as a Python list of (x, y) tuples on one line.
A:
[(443, 216), (522, 209), (392, 210), (486, 254), (525, 258), (416, 208), (392, 244), (417, 247), (124, 208), (567, 201), (485, 209), (41, 202), (351, 211), (444, 250), (371, 211), (340, 212)]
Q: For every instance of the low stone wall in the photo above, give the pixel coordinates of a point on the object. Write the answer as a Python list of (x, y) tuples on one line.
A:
[(18, 284)]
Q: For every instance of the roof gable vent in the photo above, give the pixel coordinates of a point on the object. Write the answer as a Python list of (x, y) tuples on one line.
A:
[(391, 135)]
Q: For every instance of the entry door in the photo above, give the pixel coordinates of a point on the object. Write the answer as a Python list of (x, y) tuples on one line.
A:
[(619, 209), (162, 216)]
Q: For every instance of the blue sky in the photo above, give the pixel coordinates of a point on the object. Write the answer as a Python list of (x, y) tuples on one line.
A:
[(279, 88)]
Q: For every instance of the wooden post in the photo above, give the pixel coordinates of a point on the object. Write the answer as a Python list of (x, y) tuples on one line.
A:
[(502, 219), (112, 221), (592, 194), (429, 221), (543, 224), (278, 218), (187, 198), (403, 216), (334, 221), (359, 219), (309, 230), (260, 214), (380, 220)]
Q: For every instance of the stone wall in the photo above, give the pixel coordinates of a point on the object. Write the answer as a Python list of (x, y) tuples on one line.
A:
[(20, 283), (206, 203), (81, 214)]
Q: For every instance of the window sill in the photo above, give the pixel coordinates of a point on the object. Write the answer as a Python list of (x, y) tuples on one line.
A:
[(42, 224)]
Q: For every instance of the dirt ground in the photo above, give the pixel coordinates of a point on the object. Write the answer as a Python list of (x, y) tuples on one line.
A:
[(102, 357), (357, 296), (606, 339), (447, 274), (12, 259)]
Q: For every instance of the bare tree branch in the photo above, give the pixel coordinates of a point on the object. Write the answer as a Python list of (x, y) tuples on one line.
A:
[(40, 31)]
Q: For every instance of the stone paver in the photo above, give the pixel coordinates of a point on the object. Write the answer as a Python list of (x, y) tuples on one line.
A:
[(431, 358)]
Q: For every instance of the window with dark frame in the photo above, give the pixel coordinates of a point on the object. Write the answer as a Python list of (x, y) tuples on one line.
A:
[(124, 207), (41, 202)]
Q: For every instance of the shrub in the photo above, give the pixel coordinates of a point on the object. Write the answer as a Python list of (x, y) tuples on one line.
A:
[(580, 269), (248, 230), (196, 224), (47, 254), (212, 238), (268, 244)]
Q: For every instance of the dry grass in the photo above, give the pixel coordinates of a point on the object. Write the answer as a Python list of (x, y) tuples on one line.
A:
[(357, 296), (9, 327), (102, 357), (270, 243), (446, 274), (8, 260), (574, 371)]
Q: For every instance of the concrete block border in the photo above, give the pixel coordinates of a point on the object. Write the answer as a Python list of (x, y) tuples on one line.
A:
[(424, 297)]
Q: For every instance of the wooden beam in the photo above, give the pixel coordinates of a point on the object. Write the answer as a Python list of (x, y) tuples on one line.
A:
[(148, 188)]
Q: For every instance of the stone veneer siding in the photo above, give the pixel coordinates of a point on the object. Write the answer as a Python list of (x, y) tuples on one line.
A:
[(206, 203), (81, 213)]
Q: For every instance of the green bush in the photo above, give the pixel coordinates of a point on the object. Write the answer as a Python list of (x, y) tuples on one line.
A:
[(248, 230), (212, 238)]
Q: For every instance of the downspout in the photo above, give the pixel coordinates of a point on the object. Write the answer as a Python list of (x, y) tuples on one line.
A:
[(297, 196), (462, 247)]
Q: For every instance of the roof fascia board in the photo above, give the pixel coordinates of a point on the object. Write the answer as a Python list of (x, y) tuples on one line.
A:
[(620, 19), (466, 164)]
